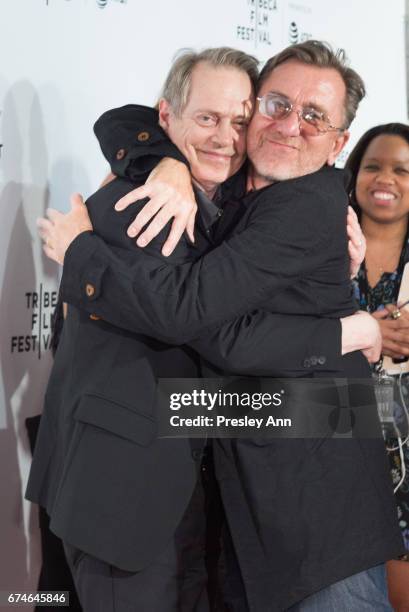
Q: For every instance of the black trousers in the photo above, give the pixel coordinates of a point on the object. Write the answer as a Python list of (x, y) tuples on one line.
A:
[(55, 574), (185, 577)]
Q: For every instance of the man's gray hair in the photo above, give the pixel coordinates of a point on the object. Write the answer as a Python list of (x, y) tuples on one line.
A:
[(177, 85), (321, 54)]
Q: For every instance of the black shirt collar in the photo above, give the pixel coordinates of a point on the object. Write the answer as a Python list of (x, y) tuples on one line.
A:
[(209, 210)]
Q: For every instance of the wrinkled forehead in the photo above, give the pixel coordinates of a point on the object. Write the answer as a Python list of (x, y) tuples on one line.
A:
[(223, 89), (308, 85)]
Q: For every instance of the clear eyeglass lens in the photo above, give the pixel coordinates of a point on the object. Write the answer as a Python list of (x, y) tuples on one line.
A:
[(278, 108), (314, 118)]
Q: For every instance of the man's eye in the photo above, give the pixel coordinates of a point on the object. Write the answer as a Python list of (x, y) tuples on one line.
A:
[(312, 116), (241, 125), (206, 120), (401, 170), (276, 107), (371, 167)]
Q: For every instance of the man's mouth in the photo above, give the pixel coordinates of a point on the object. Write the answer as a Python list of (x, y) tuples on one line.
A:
[(217, 157), (279, 143)]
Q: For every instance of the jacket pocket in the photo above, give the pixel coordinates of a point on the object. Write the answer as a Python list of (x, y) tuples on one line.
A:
[(116, 418)]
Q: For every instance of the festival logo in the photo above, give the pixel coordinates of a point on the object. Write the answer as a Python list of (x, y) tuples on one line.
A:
[(293, 33), (299, 17), (257, 25), (36, 337)]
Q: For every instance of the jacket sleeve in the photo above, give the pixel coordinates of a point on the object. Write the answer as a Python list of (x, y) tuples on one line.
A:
[(132, 141), (266, 344), (176, 303), (258, 343)]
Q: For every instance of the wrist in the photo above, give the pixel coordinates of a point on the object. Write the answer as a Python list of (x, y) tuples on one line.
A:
[(359, 332), (350, 341)]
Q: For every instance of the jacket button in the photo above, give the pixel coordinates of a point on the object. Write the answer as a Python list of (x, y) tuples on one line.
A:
[(89, 289), (322, 360), (120, 154), (94, 317), (197, 454), (143, 136), (307, 363)]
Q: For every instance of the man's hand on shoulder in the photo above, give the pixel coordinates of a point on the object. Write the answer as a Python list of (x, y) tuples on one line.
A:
[(59, 230), (171, 196)]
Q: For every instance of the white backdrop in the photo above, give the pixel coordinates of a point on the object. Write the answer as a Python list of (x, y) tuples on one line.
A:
[(64, 62)]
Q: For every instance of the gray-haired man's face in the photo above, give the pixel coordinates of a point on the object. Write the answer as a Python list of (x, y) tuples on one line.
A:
[(279, 150), (211, 130)]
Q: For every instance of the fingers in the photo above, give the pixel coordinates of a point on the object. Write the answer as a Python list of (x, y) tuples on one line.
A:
[(53, 214), (390, 307), (356, 243), (51, 253), (355, 256), (133, 196), (178, 227), (402, 321), (44, 227), (354, 229), (190, 227), (393, 339), (156, 226), (380, 314), (144, 216), (76, 200), (352, 217), (352, 220), (394, 349), (165, 204)]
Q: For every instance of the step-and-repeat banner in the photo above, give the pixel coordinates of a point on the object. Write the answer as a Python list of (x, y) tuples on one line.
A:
[(64, 62)]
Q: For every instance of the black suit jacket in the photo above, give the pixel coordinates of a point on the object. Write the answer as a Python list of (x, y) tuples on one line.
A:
[(303, 514), (109, 485)]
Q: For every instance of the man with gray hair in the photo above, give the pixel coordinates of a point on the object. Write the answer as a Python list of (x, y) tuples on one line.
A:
[(130, 508), (285, 500)]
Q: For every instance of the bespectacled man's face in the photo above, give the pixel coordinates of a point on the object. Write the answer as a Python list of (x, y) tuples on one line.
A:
[(211, 130), (281, 149)]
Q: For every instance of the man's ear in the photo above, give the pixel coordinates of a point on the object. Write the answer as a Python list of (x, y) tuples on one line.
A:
[(164, 113), (339, 144)]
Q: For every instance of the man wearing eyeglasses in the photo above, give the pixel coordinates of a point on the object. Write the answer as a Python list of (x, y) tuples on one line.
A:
[(294, 507)]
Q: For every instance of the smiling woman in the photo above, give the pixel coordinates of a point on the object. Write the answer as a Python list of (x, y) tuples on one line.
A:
[(380, 193)]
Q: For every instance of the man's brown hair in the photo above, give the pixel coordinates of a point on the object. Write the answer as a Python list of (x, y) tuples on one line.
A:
[(321, 54)]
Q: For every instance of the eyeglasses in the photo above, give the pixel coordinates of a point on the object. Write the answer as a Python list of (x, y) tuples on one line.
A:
[(312, 121)]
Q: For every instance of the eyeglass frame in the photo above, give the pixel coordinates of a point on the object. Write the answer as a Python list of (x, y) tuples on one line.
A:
[(290, 109)]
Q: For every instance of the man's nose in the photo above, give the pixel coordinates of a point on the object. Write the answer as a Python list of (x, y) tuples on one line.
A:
[(290, 125), (224, 135)]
